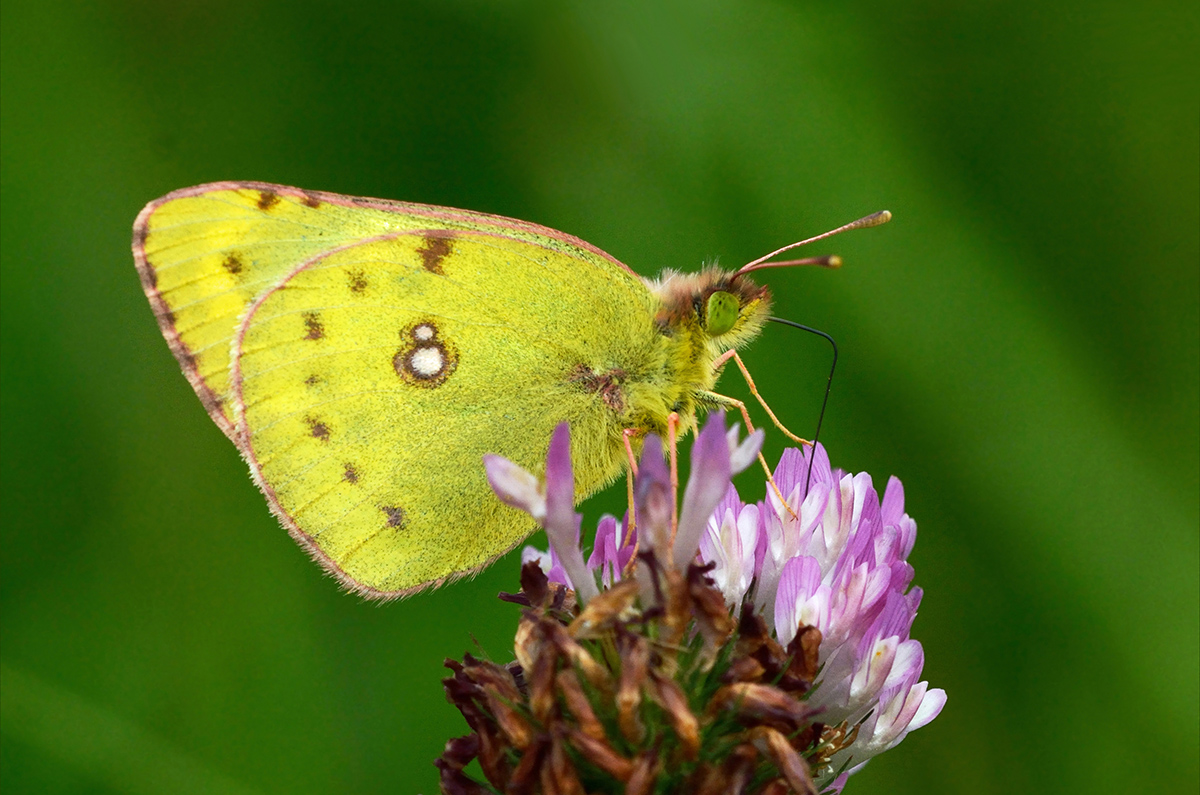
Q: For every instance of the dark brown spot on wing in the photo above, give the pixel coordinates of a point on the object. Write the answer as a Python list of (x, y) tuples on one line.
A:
[(146, 270), (606, 385), (318, 429), (232, 264), (351, 474), (212, 403), (358, 281), (186, 359), (310, 200), (396, 516), (312, 380), (312, 325), (433, 251), (267, 199)]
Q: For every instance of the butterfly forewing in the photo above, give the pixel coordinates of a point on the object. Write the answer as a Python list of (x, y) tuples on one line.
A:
[(206, 253)]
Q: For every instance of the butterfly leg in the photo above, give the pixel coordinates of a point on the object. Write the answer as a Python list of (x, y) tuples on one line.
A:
[(626, 435), (673, 443), (630, 474), (724, 401), (731, 354)]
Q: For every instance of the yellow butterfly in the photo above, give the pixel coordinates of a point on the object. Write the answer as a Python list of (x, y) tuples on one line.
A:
[(365, 354)]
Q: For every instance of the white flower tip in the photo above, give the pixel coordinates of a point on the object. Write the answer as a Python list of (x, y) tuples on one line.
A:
[(731, 435), (931, 707), (515, 486), (533, 554), (743, 455)]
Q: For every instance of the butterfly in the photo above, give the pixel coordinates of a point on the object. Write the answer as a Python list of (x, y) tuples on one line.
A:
[(364, 354)]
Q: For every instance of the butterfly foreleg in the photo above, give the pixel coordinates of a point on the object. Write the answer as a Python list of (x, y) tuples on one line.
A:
[(731, 354)]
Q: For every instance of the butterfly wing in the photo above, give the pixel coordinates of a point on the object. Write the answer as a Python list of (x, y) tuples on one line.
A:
[(364, 381), (205, 253)]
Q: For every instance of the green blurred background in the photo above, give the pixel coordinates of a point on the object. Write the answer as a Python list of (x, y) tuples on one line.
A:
[(1020, 346)]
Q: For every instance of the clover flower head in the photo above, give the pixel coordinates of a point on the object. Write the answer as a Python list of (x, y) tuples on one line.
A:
[(742, 642)]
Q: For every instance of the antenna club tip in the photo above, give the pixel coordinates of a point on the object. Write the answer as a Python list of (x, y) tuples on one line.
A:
[(834, 262), (874, 219)]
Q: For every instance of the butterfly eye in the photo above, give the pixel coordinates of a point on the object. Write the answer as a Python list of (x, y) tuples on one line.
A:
[(722, 313)]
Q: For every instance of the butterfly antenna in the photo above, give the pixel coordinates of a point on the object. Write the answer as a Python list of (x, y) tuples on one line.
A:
[(829, 383), (874, 219)]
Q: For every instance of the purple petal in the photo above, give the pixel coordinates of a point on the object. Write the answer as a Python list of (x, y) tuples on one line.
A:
[(908, 535), (894, 620), (729, 541), (711, 548), (627, 543), (886, 546), (706, 486), (605, 557), (906, 669), (560, 482), (605, 546), (913, 598), (838, 785), (893, 501), (792, 472), (562, 523), (908, 710), (902, 575), (653, 497), (760, 548), (800, 579), (876, 591), (652, 466), (559, 574), (874, 665), (864, 520)]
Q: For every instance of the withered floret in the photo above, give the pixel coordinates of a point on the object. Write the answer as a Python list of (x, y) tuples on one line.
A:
[(624, 697)]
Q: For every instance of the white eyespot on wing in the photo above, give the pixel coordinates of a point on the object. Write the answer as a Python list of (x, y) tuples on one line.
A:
[(427, 361), (424, 332)]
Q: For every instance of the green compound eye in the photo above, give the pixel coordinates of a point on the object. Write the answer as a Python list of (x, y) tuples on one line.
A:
[(722, 313)]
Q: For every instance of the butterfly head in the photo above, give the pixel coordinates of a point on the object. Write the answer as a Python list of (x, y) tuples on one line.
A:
[(723, 308)]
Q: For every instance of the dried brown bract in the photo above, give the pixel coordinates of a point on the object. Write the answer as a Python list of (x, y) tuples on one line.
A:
[(669, 694)]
